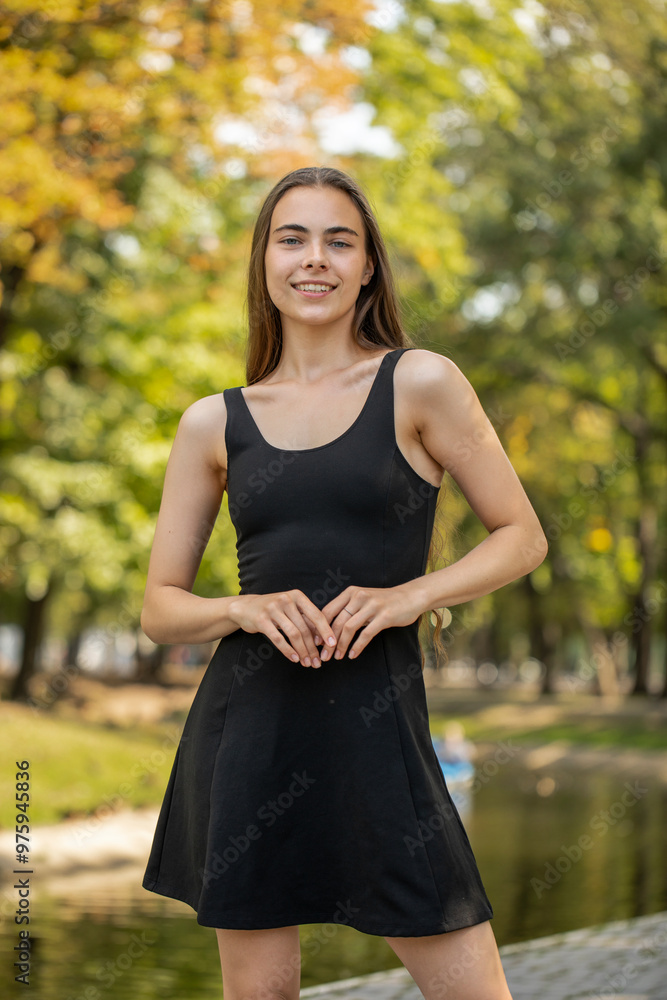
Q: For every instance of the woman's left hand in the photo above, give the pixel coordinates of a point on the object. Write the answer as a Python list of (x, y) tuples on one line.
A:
[(376, 608)]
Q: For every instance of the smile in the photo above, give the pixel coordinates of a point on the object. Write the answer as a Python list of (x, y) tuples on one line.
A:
[(313, 290)]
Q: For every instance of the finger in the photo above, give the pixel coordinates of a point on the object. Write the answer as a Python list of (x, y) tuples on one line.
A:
[(290, 617), (329, 636), (279, 641), (317, 638), (321, 627), (363, 639), (301, 639), (315, 655), (275, 629), (325, 652), (349, 623), (336, 604)]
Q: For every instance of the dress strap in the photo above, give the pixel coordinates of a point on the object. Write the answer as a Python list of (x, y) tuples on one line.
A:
[(380, 425), (238, 430)]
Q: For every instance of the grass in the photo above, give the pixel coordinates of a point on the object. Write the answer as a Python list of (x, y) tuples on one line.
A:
[(623, 733), (79, 768)]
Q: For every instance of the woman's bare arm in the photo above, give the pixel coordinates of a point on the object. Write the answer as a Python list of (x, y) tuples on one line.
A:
[(195, 480), (457, 433)]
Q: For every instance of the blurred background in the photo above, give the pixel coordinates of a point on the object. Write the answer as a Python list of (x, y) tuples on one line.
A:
[(516, 157)]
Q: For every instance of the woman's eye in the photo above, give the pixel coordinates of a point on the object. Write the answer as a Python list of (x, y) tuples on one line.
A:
[(287, 238)]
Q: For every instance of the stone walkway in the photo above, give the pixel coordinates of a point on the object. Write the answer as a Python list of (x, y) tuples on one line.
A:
[(623, 960)]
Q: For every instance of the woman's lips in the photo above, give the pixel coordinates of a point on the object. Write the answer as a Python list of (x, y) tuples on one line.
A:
[(312, 295)]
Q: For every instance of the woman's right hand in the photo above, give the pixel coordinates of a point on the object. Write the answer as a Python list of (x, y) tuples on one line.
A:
[(291, 612)]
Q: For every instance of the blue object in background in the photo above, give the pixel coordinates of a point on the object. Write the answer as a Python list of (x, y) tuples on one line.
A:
[(454, 753)]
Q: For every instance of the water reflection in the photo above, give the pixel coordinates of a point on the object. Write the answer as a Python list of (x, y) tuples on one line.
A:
[(556, 852), (98, 937), (590, 850)]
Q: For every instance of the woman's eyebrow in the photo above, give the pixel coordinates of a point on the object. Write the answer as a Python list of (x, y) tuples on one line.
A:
[(303, 229)]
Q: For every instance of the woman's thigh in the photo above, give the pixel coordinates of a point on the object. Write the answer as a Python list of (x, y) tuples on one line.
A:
[(261, 964), (457, 965)]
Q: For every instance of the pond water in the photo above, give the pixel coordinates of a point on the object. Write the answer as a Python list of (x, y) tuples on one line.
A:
[(564, 850)]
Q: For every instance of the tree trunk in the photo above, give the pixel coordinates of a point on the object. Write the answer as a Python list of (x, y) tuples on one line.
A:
[(606, 675), (149, 667), (32, 637), (641, 615), (646, 526), (11, 278), (73, 647), (663, 693), (542, 647)]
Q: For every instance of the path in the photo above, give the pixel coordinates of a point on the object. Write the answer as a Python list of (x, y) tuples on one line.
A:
[(623, 960)]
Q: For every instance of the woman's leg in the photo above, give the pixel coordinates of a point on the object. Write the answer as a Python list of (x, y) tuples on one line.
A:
[(261, 964), (458, 965)]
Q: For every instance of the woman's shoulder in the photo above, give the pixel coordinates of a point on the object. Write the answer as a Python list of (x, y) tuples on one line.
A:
[(204, 422), (434, 389), (422, 371), (204, 411)]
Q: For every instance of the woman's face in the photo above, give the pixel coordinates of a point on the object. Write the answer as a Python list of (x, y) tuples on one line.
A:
[(300, 252)]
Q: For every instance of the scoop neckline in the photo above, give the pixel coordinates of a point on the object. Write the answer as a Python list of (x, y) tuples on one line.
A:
[(328, 444)]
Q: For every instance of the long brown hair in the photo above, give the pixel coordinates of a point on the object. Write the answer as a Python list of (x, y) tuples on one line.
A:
[(377, 315)]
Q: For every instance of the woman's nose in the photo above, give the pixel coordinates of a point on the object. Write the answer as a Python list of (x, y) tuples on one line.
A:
[(315, 255)]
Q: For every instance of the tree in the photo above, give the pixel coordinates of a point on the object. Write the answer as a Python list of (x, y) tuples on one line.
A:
[(545, 131), (129, 116)]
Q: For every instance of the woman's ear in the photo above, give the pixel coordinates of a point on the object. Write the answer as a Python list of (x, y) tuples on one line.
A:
[(370, 270)]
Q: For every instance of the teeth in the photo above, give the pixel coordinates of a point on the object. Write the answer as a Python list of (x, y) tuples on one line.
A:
[(313, 288)]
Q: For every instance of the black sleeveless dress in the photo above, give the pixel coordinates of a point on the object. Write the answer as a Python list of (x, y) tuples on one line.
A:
[(314, 795)]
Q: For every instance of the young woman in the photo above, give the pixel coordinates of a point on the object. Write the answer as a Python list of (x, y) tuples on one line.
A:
[(315, 795)]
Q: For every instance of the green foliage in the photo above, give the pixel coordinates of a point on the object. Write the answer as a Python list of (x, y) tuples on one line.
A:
[(526, 216)]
